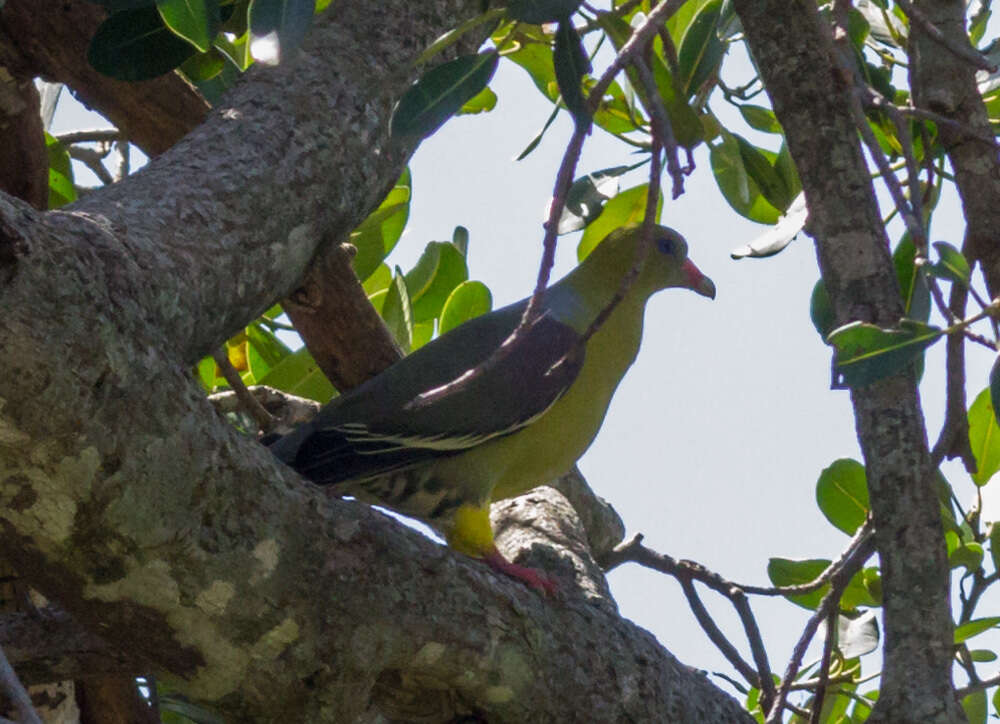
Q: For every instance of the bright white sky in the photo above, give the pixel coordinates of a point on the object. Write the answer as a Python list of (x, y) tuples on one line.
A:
[(716, 437)]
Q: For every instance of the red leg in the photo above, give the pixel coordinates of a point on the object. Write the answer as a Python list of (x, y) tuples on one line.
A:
[(529, 576)]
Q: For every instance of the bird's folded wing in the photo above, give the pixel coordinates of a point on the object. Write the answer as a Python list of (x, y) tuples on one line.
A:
[(412, 412)]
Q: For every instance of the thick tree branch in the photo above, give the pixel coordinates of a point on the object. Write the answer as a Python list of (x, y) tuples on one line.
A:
[(129, 501), (793, 49)]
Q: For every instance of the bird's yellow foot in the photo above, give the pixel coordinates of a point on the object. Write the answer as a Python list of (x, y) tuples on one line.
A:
[(529, 576)]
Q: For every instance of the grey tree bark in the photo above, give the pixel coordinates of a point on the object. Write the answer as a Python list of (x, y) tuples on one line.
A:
[(130, 502), (793, 50)]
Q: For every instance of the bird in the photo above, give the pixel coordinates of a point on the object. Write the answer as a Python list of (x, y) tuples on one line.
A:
[(454, 426)]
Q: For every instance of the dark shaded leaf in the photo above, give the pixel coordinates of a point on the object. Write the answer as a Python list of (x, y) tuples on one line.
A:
[(759, 167), (571, 65), (821, 311), (434, 98), (700, 51), (760, 118), (866, 352), (912, 282), (537, 12), (951, 264), (586, 197), (136, 45), (736, 185)]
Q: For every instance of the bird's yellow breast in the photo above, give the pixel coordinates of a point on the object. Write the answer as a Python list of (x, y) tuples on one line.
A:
[(544, 450)]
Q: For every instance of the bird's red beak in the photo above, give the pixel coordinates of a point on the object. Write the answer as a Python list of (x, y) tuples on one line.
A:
[(698, 281)]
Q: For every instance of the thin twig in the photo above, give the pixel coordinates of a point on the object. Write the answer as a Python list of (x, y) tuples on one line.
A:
[(715, 635), (14, 690), (93, 160), (963, 51), (829, 603), (262, 417), (97, 135), (978, 686), (824, 668), (663, 131)]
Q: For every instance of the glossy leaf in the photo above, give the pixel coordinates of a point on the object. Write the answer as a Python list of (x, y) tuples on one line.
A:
[(483, 102), (379, 280), (984, 438), (587, 196), (758, 164), (61, 188), (439, 270), (571, 65), (537, 12), (738, 188), (377, 235), (821, 311), (421, 335), (842, 494), (627, 208), (974, 705), (441, 92), (700, 51), (277, 28), (951, 265), (197, 21), (397, 313), (972, 628), (760, 118), (776, 239), (299, 375), (466, 301), (866, 353), (135, 45)]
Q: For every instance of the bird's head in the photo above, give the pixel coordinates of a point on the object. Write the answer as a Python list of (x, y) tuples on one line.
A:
[(666, 263)]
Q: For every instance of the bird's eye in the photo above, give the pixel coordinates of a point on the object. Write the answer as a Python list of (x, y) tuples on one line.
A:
[(667, 245)]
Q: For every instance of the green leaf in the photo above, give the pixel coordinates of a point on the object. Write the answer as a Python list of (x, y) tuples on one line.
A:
[(975, 707), (377, 235), (951, 264), (866, 353), (736, 184), (627, 208), (995, 387), (759, 168), (135, 45), (397, 313), (277, 28), (984, 437), (788, 572), (571, 65), (537, 12), (983, 655), (821, 311), (466, 301), (784, 165), (536, 59), (967, 630), (912, 282), (206, 374), (379, 280), (586, 198), (760, 118), (204, 66), (197, 21), (967, 555), (440, 269), (996, 701), (995, 545), (842, 494), (271, 349), (422, 333), (686, 124), (483, 102), (61, 188), (701, 50), (460, 238), (434, 98), (299, 374)]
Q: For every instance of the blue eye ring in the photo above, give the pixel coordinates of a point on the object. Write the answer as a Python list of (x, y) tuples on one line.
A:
[(667, 245)]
